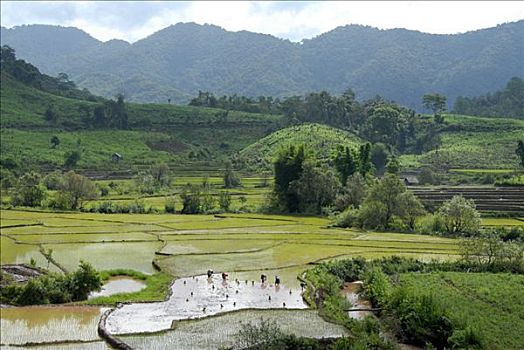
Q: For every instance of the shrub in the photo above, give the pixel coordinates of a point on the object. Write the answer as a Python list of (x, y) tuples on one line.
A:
[(169, 206), (460, 216), (377, 286), (348, 218), (419, 319), (53, 287)]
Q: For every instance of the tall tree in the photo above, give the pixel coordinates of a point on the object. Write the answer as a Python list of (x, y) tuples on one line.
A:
[(364, 159), (288, 167), (345, 163), (436, 103)]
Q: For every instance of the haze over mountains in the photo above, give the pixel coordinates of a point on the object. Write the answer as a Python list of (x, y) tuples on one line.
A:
[(179, 60)]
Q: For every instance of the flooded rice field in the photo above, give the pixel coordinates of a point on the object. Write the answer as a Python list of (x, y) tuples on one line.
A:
[(200, 296), (219, 331), (117, 285), (45, 324)]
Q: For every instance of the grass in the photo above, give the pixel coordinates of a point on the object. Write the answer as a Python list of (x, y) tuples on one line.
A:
[(491, 303)]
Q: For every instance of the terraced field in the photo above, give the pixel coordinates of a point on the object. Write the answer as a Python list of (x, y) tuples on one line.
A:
[(487, 198), (245, 245)]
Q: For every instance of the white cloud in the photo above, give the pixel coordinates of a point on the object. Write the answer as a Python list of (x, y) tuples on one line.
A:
[(290, 20)]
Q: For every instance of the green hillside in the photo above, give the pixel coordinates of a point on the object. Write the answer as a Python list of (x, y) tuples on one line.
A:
[(183, 136), (474, 143), (320, 139)]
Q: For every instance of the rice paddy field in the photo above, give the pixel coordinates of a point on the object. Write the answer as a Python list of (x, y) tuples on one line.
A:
[(219, 331), (244, 245)]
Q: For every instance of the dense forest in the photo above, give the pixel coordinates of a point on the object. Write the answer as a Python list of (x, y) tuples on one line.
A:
[(176, 62), (508, 102)]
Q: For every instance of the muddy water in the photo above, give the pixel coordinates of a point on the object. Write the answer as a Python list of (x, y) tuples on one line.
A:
[(22, 325), (197, 297), (118, 284), (351, 292)]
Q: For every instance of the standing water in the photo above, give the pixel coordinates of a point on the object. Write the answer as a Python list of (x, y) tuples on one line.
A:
[(200, 296)]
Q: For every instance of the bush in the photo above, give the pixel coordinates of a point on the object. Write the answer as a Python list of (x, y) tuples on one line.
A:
[(169, 206), (348, 218), (377, 286), (54, 288), (430, 224), (419, 319), (460, 216)]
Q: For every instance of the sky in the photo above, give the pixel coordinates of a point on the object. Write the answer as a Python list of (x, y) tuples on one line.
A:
[(293, 20)]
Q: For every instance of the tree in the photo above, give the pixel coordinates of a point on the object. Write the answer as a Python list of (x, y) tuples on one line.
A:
[(410, 208), (288, 168), (191, 200), (224, 201), (160, 174), (145, 182), (379, 157), (55, 141), (436, 103), (77, 188), (364, 159), (393, 166), (520, 151), (345, 162), (50, 115), (71, 159), (84, 280), (460, 216), (231, 179), (382, 202), (353, 193), (29, 191), (316, 188)]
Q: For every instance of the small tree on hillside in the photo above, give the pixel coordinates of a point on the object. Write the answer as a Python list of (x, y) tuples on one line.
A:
[(50, 115), (231, 179), (437, 104), (520, 152), (55, 141), (460, 216), (71, 159), (160, 174)]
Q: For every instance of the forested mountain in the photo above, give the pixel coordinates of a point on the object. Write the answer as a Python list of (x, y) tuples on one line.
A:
[(179, 60), (507, 102)]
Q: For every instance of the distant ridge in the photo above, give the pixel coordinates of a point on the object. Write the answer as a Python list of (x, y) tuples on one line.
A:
[(181, 59)]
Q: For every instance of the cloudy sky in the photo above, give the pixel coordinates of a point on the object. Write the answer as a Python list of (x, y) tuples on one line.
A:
[(294, 20)]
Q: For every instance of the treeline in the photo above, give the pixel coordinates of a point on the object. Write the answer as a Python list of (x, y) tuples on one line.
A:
[(508, 102), (28, 74), (376, 120)]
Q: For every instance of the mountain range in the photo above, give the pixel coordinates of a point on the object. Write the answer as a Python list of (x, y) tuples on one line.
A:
[(178, 61)]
